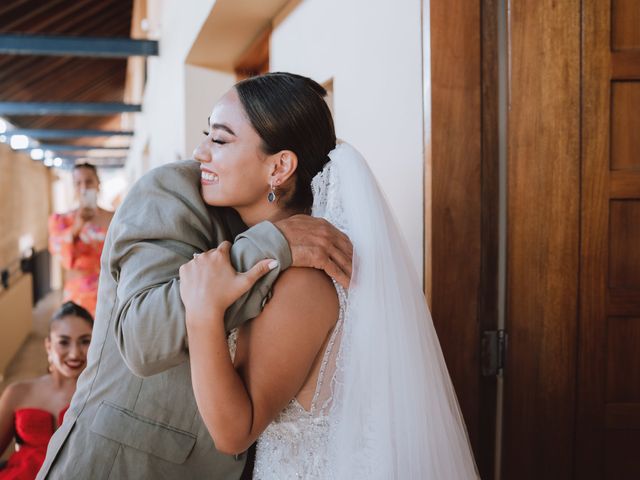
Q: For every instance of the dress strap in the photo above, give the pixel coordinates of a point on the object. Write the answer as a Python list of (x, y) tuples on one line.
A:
[(329, 358)]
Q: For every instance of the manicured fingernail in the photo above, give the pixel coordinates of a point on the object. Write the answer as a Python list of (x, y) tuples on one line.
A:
[(273, 264)]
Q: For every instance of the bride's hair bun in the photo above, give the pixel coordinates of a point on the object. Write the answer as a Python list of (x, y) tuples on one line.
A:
[(289, 113)]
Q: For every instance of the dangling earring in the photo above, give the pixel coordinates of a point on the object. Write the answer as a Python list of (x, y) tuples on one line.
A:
[(271, 197), (50, 361)]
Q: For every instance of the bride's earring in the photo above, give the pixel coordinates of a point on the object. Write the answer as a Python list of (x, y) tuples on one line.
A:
[(271, 197)]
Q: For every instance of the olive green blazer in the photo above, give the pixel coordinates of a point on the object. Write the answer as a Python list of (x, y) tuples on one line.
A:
[(134, 414)]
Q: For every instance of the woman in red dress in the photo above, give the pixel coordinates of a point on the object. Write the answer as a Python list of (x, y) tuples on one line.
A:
[(31, 410), (77, 238)]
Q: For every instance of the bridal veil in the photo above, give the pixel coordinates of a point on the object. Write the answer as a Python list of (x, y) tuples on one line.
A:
[(392, 408)]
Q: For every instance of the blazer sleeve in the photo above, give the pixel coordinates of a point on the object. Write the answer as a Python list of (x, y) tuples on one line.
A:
[(160, 225), (261, 241)]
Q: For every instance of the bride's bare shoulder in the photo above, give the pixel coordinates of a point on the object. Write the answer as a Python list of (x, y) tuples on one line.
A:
[(306, 290)]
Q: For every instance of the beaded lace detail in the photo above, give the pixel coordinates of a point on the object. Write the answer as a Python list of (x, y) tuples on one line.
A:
[(295, 444), (326, 198)]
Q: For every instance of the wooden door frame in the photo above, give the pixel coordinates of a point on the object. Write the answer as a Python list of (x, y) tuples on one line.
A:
[(461, 195), (595, 120), (607, 422), (543, 239)]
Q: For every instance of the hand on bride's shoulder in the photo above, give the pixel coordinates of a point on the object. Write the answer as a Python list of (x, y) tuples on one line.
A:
[(316, 243), (209, 284)]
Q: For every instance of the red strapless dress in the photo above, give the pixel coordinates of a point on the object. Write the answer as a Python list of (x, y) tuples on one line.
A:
[(34, 428)]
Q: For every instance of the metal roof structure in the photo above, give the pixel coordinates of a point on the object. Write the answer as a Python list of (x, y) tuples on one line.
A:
[(63, 66)]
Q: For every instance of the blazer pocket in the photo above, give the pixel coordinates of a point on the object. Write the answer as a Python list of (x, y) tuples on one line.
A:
[(142, 433)]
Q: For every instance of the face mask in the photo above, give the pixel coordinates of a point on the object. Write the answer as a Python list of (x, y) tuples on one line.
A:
[(89, 198)]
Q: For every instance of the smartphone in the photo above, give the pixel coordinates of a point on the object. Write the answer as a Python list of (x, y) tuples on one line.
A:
[(89, 198)]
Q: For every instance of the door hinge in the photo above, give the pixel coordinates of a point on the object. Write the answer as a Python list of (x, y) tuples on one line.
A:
[(492, 353)]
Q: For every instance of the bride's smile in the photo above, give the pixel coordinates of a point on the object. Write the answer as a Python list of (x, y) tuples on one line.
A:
[(236, 172), (332, 383)]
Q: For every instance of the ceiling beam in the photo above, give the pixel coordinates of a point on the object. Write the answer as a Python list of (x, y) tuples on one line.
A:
[(16, 44), (71, 148), (69, 166), (66, 108), (98, 161), (66, 133), (88, 157)]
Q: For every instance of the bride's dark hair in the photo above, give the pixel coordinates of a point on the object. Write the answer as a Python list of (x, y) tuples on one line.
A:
[(289, 113)]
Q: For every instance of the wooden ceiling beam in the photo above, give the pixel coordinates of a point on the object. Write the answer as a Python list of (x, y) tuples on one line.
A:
[(25, 18), (95, 122), (16, 69), (14, 44), (76, 78), (106, 22), (66, 108), (85, 22), (105, 88), (66, 78), (48, 21), (65, 73), (8, 6), (68, 156), (43, 133), (61, 147)]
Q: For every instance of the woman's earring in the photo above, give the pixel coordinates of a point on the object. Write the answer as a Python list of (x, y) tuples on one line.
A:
[(271, 197)]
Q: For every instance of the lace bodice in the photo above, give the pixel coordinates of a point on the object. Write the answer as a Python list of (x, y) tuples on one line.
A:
[(385, 348), (295, 444)]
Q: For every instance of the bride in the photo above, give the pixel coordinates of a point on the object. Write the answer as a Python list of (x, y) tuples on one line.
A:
[(332, 383)]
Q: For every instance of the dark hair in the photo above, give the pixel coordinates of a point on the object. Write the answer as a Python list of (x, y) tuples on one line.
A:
[(289, 113), (88, 166), (69, 309)]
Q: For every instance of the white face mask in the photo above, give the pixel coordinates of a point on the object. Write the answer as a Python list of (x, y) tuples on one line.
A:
[(89, 198)]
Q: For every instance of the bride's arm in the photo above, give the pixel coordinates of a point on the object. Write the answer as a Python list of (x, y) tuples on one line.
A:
[(275, 352)]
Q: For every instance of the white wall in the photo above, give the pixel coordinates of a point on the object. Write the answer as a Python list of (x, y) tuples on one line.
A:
[(162, 125), (203, 88), (372, 50)]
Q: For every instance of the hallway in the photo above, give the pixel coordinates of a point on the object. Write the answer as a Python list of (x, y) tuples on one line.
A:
[(503, 135)]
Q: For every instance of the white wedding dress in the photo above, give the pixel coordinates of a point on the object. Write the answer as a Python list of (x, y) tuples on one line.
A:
[(384, 406), (295, 445)]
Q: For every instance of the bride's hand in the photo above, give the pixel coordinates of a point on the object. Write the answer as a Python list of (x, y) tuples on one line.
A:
[(209, 284)]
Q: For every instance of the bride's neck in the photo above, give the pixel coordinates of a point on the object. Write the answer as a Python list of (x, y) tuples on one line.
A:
[(269, 213)]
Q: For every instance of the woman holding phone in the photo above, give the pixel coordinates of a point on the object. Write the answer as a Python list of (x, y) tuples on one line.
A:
[(77, 237)]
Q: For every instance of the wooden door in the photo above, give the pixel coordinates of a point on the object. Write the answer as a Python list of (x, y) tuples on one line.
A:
[(453, 263), (461, 221), (572, 377), (543, 239), (608, 395)]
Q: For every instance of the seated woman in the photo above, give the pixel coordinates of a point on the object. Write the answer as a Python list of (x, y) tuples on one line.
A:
[(31, 410), (77, 238)]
